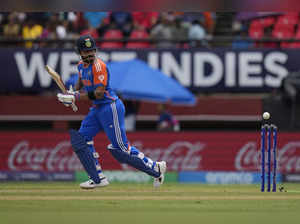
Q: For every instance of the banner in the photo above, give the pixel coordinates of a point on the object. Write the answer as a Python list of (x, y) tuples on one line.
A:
[(128, 176), (36, 176), (223, 177), (209, 70), (291, 178), (183, 151)]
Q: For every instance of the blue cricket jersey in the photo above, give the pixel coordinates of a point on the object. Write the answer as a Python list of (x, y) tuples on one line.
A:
[(96, 75)]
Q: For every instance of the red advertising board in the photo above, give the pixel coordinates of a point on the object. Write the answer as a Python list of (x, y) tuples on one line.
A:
[(210, 151)]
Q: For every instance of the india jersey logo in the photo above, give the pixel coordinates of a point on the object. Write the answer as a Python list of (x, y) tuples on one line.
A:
[(101, 78)]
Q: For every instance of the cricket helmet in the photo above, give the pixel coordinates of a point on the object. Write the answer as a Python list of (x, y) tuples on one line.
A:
[(85, 43)]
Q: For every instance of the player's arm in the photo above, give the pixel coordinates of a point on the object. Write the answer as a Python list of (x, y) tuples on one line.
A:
[(79, 84), (93, 95)]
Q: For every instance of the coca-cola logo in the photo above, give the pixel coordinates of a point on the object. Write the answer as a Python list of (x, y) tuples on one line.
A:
[(288, 157), (248, 157), (58, 158), (179, 155)]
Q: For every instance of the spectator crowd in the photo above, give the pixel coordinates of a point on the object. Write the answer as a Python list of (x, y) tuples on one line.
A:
[(146, 29)]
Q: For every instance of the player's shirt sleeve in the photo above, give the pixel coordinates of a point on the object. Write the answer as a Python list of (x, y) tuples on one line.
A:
[(79, 67), (100, 74)]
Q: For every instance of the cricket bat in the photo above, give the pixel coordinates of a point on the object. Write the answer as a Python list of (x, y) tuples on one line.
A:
[(56, 77)]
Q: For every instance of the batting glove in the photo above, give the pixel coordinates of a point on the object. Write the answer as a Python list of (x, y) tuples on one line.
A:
[(66, 99), (74, 93)]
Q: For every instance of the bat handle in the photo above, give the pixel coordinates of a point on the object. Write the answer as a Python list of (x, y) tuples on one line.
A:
[(74, 107)]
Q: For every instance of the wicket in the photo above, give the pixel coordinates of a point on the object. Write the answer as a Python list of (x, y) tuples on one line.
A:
[(267, 129)]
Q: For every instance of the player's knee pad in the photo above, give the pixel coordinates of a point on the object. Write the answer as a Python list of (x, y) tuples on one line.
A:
[(92, 149), (132, 160), (85, 156)]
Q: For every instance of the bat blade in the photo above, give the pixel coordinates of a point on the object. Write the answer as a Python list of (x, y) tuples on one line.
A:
[(56, 77)]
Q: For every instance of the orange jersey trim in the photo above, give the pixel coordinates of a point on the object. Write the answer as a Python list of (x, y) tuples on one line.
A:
[(100, 72)]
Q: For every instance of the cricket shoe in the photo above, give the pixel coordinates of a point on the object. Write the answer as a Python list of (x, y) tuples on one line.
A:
[(160, 167), (90, 184)]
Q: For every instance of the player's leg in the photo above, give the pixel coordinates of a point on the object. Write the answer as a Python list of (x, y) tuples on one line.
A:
[(137, 160), (111, 117), (90, 126), (88, 129)]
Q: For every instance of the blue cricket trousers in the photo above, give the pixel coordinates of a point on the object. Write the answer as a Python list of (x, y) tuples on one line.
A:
[(108, 118)]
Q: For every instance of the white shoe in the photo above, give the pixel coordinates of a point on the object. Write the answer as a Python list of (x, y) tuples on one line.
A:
[(162, 168), (90, 184)]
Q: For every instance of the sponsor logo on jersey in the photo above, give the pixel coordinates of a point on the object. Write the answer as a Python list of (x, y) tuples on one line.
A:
[(101, 78)]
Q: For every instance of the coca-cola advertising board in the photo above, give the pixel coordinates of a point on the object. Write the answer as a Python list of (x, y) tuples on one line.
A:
[(183, 151)]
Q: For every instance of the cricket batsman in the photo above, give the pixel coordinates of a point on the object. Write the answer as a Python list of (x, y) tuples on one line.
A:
[(107, 114)]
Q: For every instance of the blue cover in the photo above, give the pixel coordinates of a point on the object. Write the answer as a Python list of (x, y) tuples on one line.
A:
[(135, 79)]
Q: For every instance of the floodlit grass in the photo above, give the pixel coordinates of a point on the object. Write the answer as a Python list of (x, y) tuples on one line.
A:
[(140, 203)]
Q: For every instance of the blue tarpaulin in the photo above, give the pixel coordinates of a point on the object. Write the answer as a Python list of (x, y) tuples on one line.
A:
[(135, 79)]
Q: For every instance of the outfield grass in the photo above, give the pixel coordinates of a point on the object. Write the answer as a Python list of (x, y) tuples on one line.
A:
[(140, 203)]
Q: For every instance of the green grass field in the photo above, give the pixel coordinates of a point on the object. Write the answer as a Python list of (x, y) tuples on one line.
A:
[(140, 203)]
